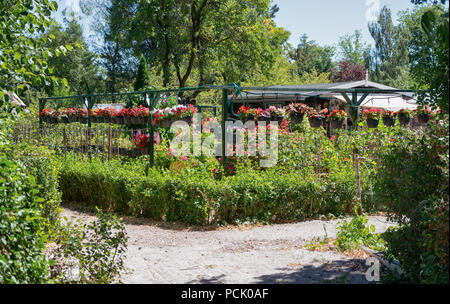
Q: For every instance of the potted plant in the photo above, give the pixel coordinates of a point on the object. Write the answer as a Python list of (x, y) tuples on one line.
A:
[(94, 115), (71, 114), (246, 114), (296, 112), (82, 115), (142, 115), (277, 114), (45, 114), (187, 113), (120, 118), (404, 116), (133, 112), (389, 118), (372, 116), (336, 118), (315, 118), (423, 114), (110, 115)]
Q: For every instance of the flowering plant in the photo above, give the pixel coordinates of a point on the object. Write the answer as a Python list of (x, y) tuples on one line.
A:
[(424, 111), (244, 112), (124, 112), (94, 112), (389, 113), (404, 112), (81, 113), (276, 112), (179, 111), (71, 112), (312, 113), (373, 113), (142, 112), (335, 114), (141, 140), (46, 112), (110, 112), (296, 108)]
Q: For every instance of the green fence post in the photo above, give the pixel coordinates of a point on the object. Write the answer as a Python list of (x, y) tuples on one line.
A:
[(150, 105), (224, 117)]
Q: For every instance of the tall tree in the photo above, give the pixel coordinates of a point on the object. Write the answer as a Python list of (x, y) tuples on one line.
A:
[(348, 71), (201, 41), (309, 57), (78, 66), (390, 56), (352, 48), (142, 77), (429, 52), (115, 58)]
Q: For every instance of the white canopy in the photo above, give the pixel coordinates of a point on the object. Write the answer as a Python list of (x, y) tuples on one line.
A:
[(386, 102)]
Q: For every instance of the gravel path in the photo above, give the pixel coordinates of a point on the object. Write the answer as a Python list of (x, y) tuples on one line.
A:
[(241, 255)]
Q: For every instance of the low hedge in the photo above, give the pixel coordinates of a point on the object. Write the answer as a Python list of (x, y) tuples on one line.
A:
[(196, 197)]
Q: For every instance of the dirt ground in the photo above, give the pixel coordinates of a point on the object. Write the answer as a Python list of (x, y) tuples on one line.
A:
[(172, 254)]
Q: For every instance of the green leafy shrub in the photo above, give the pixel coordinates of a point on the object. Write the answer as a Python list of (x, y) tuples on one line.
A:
[(355, 234), (22, 237), (194, 196), (92, 252), (413, 182)]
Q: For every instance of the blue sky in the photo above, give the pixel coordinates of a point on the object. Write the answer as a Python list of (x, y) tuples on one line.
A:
[(326, 20)]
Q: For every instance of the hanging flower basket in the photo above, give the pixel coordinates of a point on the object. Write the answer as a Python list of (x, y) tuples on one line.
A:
[(64, 119), (336, 123), (297, 118), (278, 119), (263, 119), (403, 119), (164, 123), (423, 118), (388, 121), (135, 120), (120, 120), (247, 118), (187, 119), (372, 123), (315, 122), (82, 119)]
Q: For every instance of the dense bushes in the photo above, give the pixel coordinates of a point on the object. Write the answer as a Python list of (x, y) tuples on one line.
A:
[(194, 196), (22, 221), (30, 220), (413, 182)]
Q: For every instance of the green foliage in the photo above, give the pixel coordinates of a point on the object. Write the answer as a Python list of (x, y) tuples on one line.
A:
[(354, 234), (429, 51), (352, 48), (22, 221), (201, 41), (91, 253), (390, 57), (413, 182), (309, 57), (142, 78), (78, 65), (23, 57), (21, 231)]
